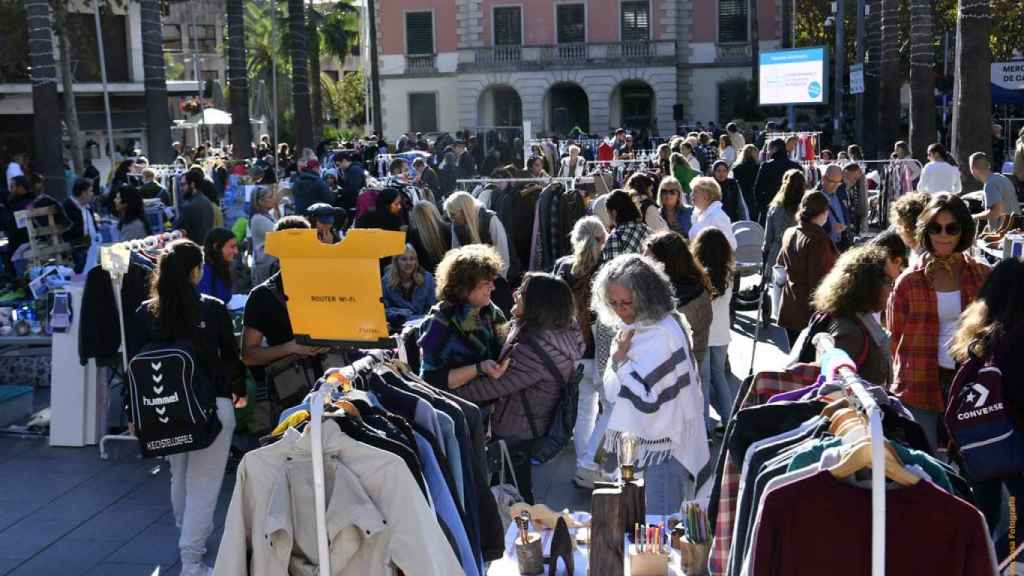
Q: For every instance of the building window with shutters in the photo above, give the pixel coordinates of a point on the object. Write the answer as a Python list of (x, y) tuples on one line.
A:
[(419, 33), (733, 21), (204, 38), (571, 23), (423, 112), (172, 37), (636, 21), (508, 26)]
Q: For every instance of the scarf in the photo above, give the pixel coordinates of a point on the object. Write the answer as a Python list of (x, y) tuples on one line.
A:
[(688, 290), (658, 400), (935, 263)]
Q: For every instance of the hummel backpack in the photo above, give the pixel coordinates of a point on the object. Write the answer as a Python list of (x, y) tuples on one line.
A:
[(173, 405)]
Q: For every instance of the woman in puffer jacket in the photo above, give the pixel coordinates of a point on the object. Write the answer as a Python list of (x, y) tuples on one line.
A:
[(523, 397)]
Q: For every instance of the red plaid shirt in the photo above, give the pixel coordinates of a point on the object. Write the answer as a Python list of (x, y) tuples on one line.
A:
[(765, 385), (912, 317)]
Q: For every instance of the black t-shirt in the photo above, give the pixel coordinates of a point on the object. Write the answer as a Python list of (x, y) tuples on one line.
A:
[(266, 313)]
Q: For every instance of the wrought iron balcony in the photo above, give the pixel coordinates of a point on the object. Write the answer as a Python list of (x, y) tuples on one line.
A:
[(420, 64)]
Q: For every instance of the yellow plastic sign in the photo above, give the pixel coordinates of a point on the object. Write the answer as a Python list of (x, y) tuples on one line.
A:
[(334, 290)]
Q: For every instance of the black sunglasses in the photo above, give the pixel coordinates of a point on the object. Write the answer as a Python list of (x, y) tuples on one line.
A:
[(951, 229)]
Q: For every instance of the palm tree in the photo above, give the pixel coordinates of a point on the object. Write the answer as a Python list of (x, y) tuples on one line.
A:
[(337, 31), (61, 32), (300, 74), (755, 50), (313, 24), (48, 152), (972, 89), (890, 79), (158, 118), (922, 78), (238, 81)]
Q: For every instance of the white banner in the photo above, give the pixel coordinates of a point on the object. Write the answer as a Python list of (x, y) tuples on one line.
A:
[(1009, 75), (856, 79)]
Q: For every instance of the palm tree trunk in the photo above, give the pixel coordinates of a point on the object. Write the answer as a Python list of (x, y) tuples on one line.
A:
[(70, 106), (922, 79), (158, 118), (890, 80), (972, 89), (872, 73), (47, 136), (238, 81), (300, 74), (314, 74)]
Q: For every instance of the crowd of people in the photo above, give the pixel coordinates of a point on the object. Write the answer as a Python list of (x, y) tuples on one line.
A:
[(638, 301)]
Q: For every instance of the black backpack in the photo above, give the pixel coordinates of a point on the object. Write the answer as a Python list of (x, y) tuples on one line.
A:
[(559, 433), (173, 404)]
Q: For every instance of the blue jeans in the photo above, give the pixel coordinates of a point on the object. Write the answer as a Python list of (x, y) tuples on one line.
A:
[(666, 484), (929, 422), (720, 392), (989, 495)]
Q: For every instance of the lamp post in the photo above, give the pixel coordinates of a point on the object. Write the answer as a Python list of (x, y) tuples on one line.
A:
[(103, 79)]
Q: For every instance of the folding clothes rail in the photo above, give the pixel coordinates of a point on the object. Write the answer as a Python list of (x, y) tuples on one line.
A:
[(115, 259), (837, 363)]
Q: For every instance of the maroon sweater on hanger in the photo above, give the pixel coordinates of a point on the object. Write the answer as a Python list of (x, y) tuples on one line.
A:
[(822, 525)]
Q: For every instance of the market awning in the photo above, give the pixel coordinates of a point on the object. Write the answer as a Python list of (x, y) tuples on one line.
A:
[(212, 117)]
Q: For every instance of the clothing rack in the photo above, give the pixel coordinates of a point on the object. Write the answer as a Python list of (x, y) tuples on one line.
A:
[(837, 364), (115, 259), (562, 179)]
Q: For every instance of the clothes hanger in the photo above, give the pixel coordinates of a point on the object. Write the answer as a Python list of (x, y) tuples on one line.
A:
[(857, 455)]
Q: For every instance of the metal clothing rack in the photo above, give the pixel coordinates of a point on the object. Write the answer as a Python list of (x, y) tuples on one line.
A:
[(570, 182), (837, 364), (115, 259)]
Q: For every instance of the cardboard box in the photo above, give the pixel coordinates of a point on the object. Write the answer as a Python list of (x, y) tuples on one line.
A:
[(334, 290)]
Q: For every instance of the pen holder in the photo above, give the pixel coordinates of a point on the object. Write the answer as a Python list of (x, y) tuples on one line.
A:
[(694, 557), (530, 555), (647, 564)]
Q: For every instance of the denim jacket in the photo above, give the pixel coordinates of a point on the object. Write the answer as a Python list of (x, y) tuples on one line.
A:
[(395, 303)]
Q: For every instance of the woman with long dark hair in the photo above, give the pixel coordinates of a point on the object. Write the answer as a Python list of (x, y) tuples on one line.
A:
[(713, 250), (220, 250), (807, 253), (178, 312), (131, 222)]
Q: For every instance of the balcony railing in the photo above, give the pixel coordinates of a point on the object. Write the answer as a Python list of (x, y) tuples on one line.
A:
[(733, 52), (499, 55), (644, 52), (420, 64)]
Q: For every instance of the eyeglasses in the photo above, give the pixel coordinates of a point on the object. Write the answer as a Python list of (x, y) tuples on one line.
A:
[(617, 304), (951, 229)]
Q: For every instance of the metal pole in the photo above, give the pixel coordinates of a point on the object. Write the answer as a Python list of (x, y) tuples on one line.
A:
[(103, 78), (273, 73), (837, 104), (861, 6), (195, 69)]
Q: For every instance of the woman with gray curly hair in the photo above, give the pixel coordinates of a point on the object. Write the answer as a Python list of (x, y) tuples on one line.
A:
[(652, 379)]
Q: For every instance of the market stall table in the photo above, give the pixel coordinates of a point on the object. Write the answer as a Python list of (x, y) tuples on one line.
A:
[(508, 566)]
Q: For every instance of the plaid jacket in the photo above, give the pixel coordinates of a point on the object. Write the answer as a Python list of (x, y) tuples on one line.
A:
[(764, 386), (625, 238), (912, 317)]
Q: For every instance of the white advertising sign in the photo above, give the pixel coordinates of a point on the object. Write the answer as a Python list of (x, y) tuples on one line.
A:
[(792, 77), (1009, 75)]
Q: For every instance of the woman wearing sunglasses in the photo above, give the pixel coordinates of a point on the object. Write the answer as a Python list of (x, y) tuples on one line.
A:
[(925, 306)]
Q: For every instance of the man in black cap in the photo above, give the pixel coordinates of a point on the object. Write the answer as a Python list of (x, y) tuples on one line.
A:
[(323, 218), (464, 161)]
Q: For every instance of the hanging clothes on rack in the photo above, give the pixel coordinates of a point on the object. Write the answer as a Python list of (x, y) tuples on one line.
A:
[(778, 415)]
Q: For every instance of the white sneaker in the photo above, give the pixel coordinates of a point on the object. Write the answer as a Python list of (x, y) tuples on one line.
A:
[(586, 477), (196, 569)]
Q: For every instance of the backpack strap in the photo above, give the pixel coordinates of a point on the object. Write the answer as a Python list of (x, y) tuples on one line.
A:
[(865, 348), (550, 365)]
